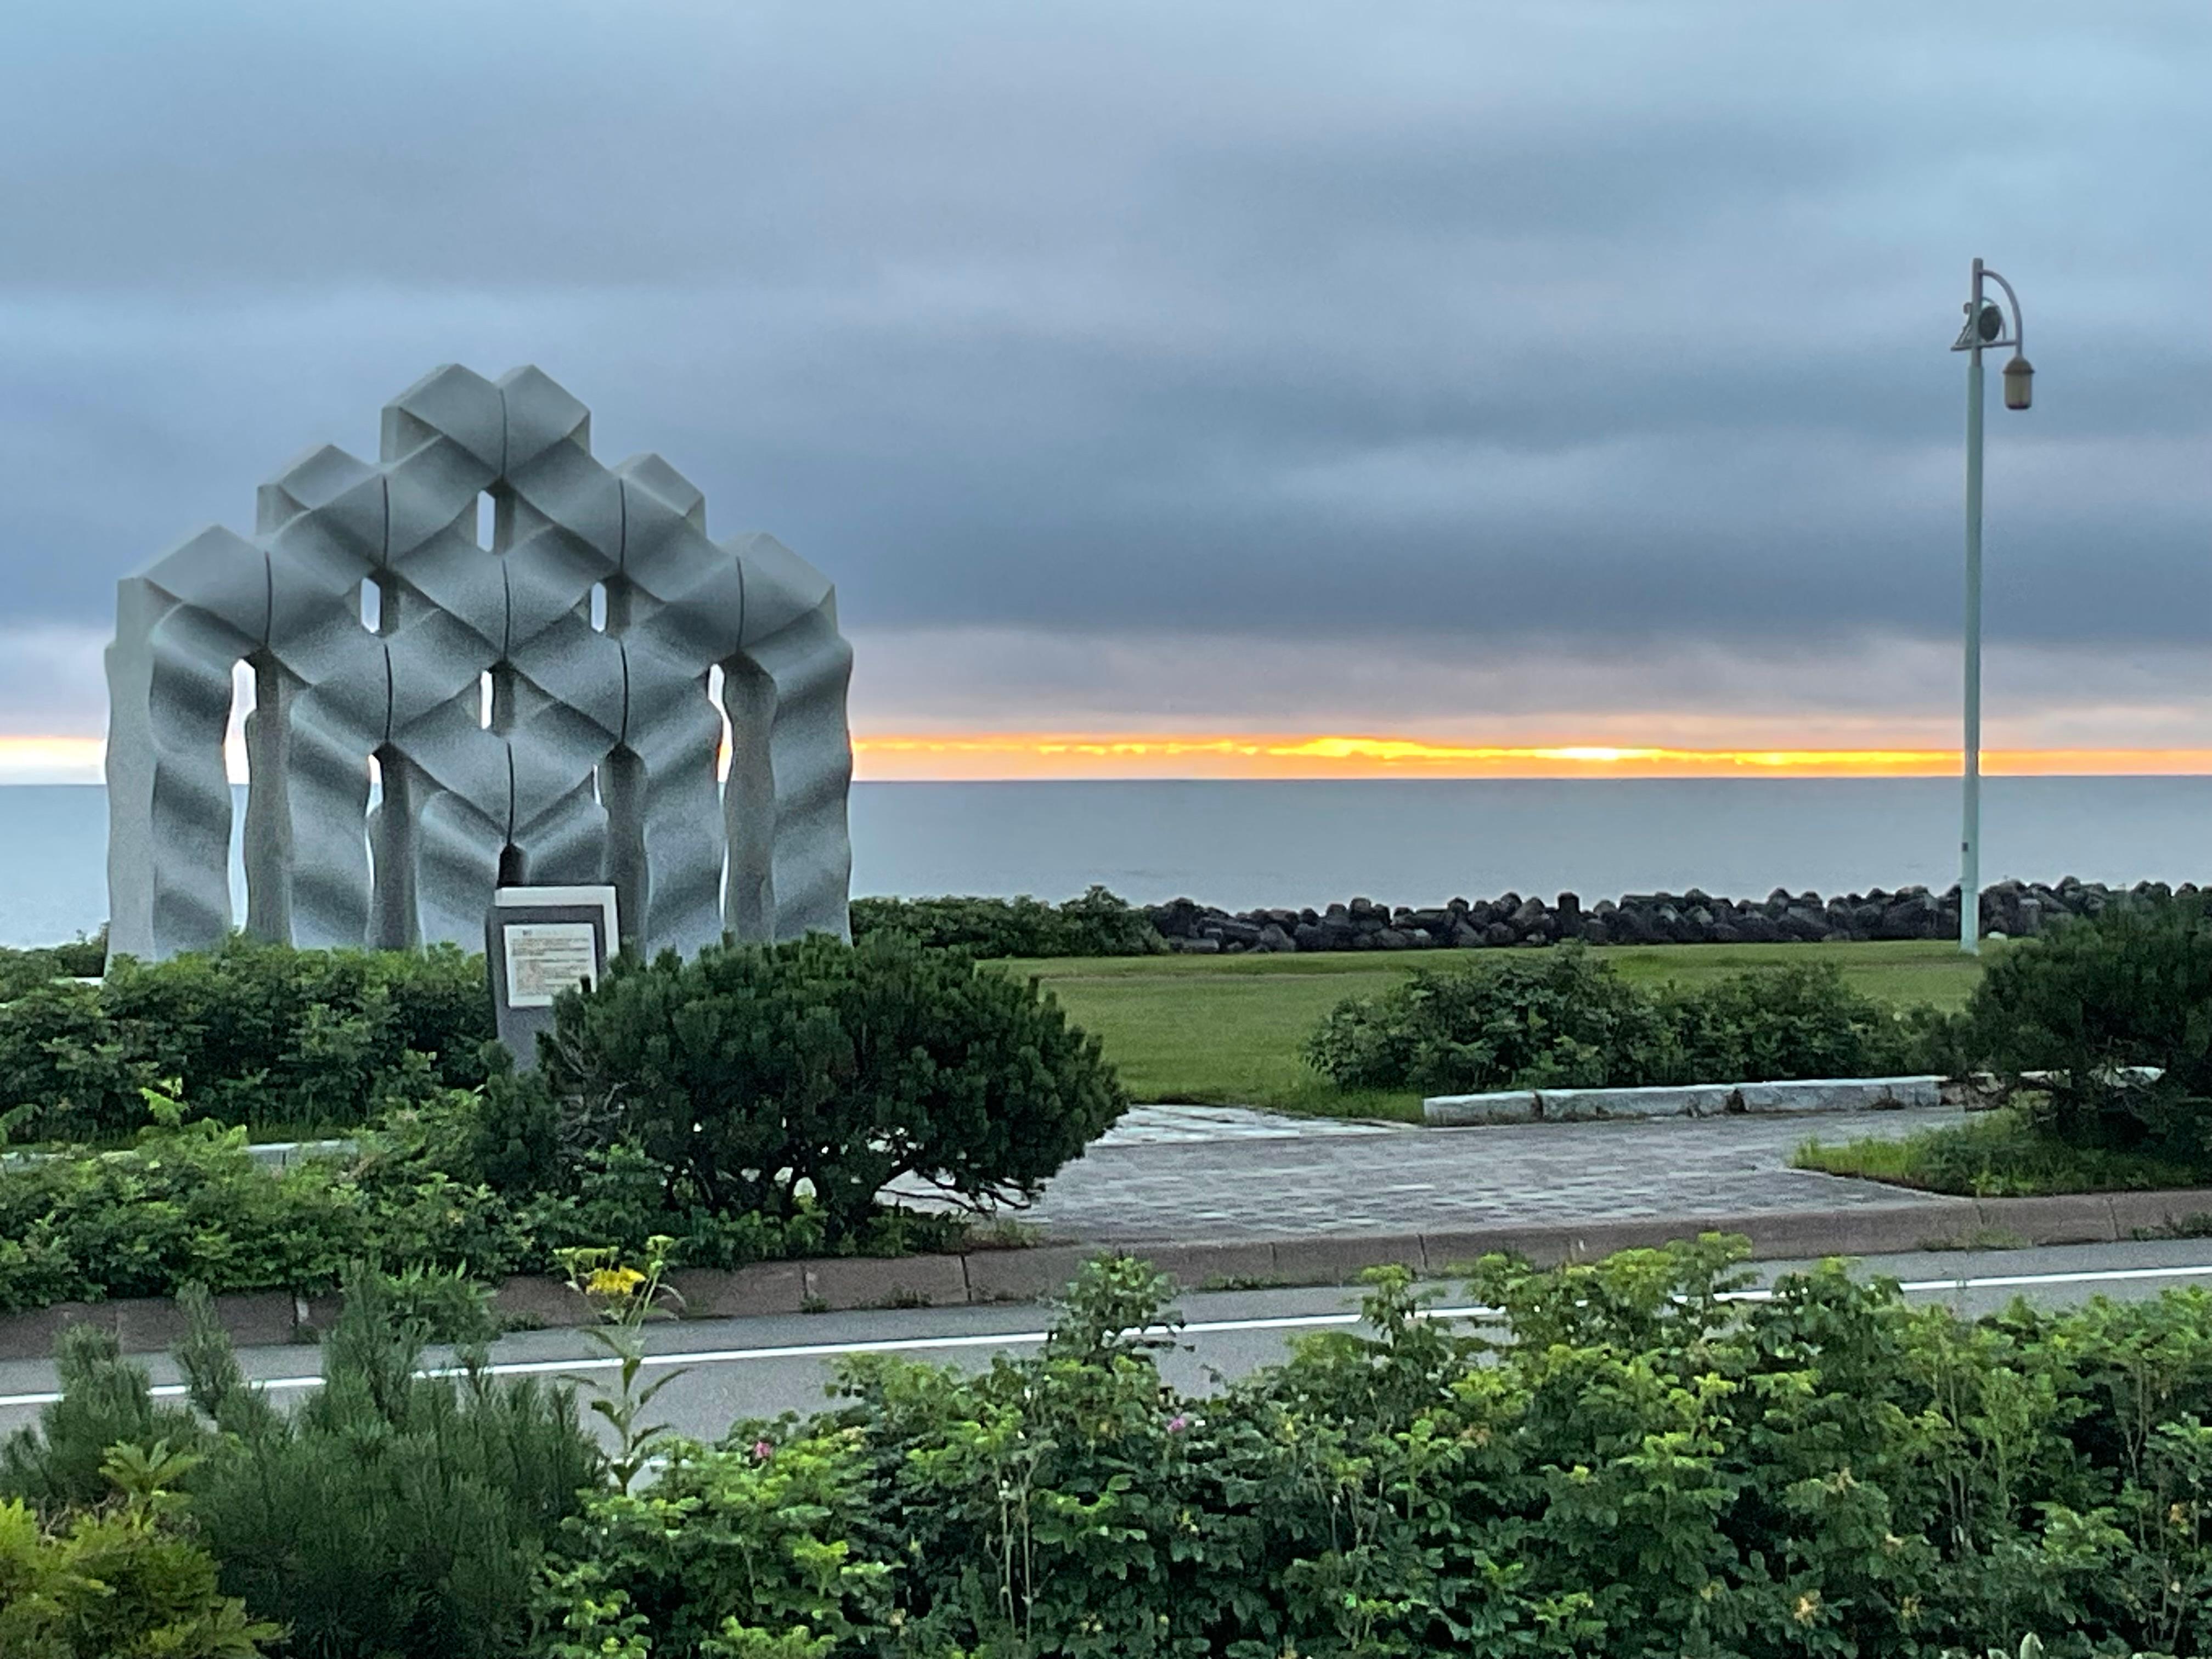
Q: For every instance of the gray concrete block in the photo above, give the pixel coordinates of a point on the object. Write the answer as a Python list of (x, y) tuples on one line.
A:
[(1452, 1111), (1334, 1259), (150, 1324), (541, 1300), (2158, 1212), (257, 1319), (924, 1281), (32, 1335), (2067, 1219), (1874, 1229), (1591, 1241), (1682, 1100), (1250, 1262), (1025, 1275), (1864, 1094), (766, 1288), (1450, 1253)]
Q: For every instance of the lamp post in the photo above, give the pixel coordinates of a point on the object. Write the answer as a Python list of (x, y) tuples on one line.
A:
[(1984, 330)]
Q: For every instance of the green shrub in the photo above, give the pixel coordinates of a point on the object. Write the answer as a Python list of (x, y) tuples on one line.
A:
[(1561, 1018), (392, 1514), (770, 1078), (1801, 1020), (1637, 1464), (255, 1034), (189, 1205), (1096, 925), (123, 1580), (2130, 986), (26, 971)]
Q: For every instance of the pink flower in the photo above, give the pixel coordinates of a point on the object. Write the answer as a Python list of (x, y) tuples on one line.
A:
[(763, 1451), (1178, 1423)]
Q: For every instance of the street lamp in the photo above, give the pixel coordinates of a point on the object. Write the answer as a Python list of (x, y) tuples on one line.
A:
[(1984, 330)]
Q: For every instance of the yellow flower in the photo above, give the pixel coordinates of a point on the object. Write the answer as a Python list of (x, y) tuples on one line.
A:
[(616, 1283), (1808, 1608)]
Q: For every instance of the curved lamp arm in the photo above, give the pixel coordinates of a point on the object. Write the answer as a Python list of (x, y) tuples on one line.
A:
[(2019, 329)]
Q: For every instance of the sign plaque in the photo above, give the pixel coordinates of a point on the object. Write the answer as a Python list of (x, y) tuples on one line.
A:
[(539, 941)]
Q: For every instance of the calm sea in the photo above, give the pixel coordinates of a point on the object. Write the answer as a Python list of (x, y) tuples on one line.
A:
[(1402, 842)]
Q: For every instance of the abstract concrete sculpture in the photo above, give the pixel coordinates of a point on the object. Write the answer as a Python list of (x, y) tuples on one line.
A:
[(534, 712)]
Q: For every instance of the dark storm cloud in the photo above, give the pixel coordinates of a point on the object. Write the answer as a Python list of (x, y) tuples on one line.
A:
[(1304, 323)]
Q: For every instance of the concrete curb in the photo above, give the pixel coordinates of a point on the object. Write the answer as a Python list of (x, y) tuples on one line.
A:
[(1864, 1094), (843, 1284)]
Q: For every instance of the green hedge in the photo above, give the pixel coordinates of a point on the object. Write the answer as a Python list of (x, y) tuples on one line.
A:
[(1562, 1018), (255, 1034), (1096, 925), (1635, 1466)]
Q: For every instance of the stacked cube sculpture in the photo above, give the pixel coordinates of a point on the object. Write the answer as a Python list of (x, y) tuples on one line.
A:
[(595, 617)]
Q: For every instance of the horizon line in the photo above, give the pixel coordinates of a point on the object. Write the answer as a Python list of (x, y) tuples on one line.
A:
[(1014, 757)]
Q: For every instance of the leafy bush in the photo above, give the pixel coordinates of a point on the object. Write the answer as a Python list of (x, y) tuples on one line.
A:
[(190, 1205), (1798, 1021), (255, 1034), (768, 1080), (26, 971), (392, 1514), (1561, 1018), (2130, 986), (1096, 925), (1638, 1465), (122, 1580)]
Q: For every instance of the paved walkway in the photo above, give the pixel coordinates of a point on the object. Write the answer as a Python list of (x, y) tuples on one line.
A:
[(1192, 1172)]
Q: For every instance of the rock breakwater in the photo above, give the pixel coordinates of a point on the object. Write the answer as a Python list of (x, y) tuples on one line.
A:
[(2013, 909)]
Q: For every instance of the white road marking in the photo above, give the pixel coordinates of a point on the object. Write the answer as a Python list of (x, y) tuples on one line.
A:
[(1195, 1328)]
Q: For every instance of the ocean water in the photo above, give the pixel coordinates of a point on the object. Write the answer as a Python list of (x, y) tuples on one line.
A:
[(1403, 842)]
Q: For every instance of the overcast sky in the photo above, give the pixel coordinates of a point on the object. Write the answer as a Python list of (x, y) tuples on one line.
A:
[(1514, 372)]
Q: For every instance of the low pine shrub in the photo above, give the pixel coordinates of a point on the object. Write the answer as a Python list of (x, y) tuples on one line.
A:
[(2097, 996), (1562, 1018), (1096, 925), (391, 1514), (783, 1080)]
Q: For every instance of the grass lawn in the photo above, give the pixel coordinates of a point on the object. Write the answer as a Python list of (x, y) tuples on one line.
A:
[(1228, 1031)]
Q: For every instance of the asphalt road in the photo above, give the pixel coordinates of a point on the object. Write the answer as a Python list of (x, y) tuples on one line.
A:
[(741, 1368)]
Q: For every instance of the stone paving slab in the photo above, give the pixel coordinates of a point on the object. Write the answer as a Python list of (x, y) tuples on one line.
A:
[(1278, 1178)]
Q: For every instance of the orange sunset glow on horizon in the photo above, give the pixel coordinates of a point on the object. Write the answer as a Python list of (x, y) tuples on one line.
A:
[(955, 756), (1014, 755)]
